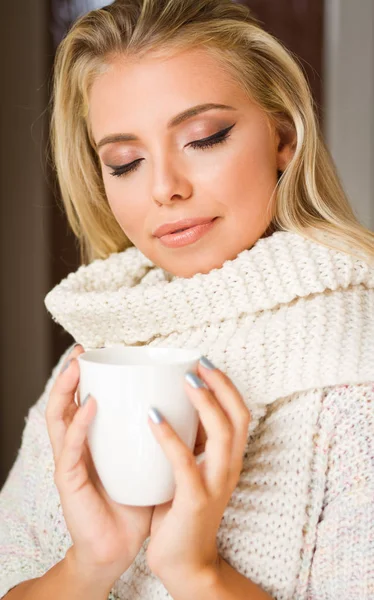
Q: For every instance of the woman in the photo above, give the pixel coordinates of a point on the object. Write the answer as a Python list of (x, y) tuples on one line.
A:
[(185, 115)]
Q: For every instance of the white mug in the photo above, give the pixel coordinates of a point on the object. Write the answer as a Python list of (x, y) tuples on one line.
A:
[(125, 381)]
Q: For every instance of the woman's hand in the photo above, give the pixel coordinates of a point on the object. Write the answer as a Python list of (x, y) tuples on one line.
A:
[(184, 531), (106, 535)]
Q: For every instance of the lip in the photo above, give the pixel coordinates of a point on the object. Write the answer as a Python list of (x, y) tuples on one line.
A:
[(189, 236), (181, 224)]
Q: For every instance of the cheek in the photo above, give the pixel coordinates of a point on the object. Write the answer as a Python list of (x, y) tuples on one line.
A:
[(246, 184), (250, 173), (128, 209)]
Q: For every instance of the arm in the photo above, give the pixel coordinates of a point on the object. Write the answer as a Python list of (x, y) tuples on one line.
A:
[(343, 561), (225, 583), (21, 549), (62, 582), (231, 585), (183, 551)]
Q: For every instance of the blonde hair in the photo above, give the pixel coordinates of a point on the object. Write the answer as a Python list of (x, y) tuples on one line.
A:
[(309, 198)]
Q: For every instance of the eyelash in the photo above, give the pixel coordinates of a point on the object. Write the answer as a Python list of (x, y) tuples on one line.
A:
[(204, 144)]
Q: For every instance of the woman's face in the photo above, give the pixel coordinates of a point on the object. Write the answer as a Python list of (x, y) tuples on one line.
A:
[(171, 177)]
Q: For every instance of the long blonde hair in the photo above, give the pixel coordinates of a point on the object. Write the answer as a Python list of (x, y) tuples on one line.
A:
[(309, 198)]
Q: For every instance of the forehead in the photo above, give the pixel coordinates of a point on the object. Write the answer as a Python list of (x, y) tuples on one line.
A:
[(159, 86)]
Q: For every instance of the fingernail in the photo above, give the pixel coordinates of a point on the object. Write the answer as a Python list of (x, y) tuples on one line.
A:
[(84, 404), (194, 380), (206, 363), (66, 366), (155, 415)]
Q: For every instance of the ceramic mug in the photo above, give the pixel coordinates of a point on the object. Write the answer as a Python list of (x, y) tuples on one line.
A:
[(125, 381)]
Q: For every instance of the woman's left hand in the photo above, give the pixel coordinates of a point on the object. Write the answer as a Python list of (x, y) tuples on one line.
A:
[(184, 531)]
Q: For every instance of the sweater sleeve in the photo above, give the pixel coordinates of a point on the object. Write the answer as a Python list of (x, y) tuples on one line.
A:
[(21, 555), (343, 561)]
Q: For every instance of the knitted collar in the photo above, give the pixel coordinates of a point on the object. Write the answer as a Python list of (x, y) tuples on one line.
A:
[(126, 299)]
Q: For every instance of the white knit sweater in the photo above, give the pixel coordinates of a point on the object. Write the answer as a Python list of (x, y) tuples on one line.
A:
[(292, 323)]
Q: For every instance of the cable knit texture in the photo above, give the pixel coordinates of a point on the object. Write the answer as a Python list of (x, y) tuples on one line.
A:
[(291, 322)]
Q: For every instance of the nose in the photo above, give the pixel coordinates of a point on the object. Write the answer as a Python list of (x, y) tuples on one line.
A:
[(170, 182)]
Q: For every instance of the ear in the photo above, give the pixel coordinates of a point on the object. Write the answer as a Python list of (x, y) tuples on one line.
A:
[(285, 144)]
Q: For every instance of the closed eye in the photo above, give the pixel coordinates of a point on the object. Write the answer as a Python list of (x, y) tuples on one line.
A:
[(125, 169), (218, 138)]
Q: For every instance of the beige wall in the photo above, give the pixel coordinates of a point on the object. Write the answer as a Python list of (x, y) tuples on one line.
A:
[(24, 202)]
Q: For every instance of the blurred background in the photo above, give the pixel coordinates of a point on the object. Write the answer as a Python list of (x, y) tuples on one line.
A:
[(333, 39)]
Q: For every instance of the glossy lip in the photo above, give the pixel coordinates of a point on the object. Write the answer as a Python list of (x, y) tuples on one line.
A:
[(181, 224), (189, 236)]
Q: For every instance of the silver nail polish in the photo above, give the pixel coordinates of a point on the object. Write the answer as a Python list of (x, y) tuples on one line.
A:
[(206, 363), (155, 415), (194, 380), (66, 366)]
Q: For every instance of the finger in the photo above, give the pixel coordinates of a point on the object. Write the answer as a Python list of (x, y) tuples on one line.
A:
[(92, 472), (232, 402), (76, 350), (219, 432), (70, 467), (187, 475), (61, 407)]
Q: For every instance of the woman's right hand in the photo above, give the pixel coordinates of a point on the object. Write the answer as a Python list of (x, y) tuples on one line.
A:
[(106, 535)]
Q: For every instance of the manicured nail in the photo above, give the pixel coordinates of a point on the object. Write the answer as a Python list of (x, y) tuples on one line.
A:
[(66, 366), (155, 415), (194, 380), (84, 404), (206, 363)]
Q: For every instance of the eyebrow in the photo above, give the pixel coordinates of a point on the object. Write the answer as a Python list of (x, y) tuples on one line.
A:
[(177, 120)]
